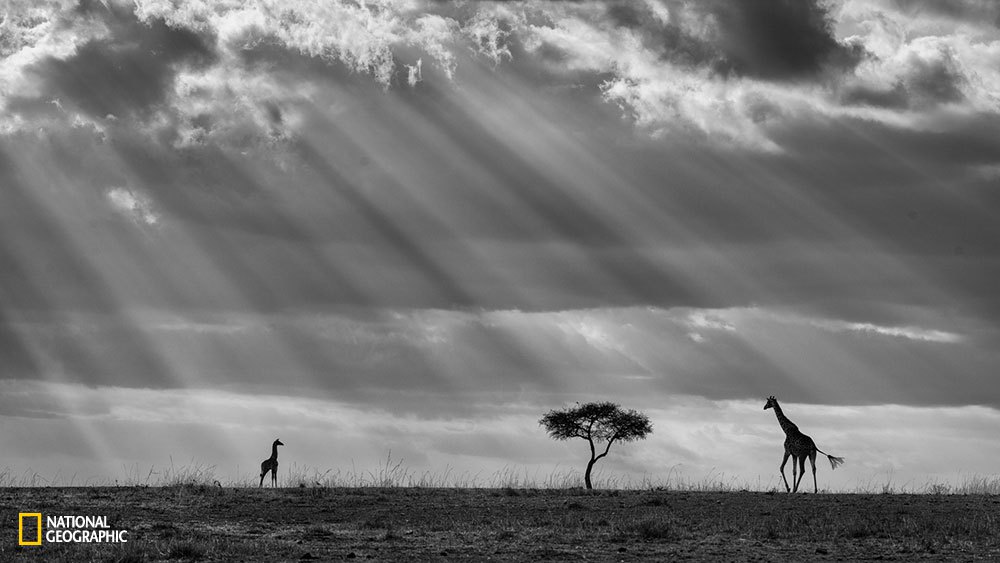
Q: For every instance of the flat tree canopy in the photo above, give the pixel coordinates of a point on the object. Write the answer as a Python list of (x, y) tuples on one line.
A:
[(597, 422)]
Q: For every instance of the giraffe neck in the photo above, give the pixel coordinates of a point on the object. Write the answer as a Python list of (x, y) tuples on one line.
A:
[(274, 452), (787, 426)]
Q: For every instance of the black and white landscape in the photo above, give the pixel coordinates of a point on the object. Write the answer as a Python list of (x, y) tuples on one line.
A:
[(395, 233)]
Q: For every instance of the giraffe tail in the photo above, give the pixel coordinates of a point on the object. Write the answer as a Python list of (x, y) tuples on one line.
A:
[(835, 461)]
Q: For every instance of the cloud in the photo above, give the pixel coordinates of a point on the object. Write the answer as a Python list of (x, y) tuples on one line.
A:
[(460, 362), (728, 319), (364, 37), (912, 333), (726, 72), (767, 39), (935, 81), (719, 69), (489, 36), (134, 206), (31, 32), (95, 431), (708, 320), (139, 49), (934, 59), (679, 228), (777, 39), (665, 99), (927, 75), (135, 62), (978, 11)]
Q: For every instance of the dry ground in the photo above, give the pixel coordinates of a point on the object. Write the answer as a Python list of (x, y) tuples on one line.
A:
[(202, 523)]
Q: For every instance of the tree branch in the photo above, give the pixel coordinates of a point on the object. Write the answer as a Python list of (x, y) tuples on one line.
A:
[(607, 449)]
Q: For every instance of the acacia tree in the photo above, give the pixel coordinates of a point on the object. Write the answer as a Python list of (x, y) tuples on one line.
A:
[(596, 423)]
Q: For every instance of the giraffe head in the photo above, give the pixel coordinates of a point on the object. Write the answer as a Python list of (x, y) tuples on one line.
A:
[(771, 402), (278, 443)]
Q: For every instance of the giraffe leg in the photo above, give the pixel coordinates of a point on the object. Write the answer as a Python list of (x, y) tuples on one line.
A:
[(802, 471), (795, 475), (783, 461), (262, 473), (812, 462)]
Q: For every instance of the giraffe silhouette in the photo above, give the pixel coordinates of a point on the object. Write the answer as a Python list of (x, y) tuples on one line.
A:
[(270, 464), (799, 447)]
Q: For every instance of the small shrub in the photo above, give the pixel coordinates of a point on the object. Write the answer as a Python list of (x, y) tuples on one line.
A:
[(505, 535), (190, 550), (857, 530), (164, 530), (373, 524), (656, 530)]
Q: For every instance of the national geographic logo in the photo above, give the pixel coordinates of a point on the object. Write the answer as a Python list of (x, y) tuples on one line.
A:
[(66, 529)]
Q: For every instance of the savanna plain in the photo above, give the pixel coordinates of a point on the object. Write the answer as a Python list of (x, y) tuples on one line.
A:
[(211, 522)]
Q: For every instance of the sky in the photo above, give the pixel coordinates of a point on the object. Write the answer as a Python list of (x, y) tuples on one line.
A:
[(409, 228)]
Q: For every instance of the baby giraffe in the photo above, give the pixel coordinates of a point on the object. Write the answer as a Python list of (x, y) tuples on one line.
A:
[(270, 464), (799, 446)]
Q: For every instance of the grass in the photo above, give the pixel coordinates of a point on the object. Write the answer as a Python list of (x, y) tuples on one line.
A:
[(28, 478), (194, 473), (205, 523), (394, 473), (966, 485)]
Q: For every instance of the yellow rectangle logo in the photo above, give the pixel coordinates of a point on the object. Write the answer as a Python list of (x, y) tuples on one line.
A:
[(20, 527)]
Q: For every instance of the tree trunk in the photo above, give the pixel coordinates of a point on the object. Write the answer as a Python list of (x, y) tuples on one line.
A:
[(586, 476)]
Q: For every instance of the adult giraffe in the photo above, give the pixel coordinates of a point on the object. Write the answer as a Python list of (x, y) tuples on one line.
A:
[(799, 447)]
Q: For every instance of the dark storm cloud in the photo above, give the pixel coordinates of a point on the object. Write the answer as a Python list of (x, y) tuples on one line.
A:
[(628, 14), (768, 39), (778, 39), (129, 71)]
